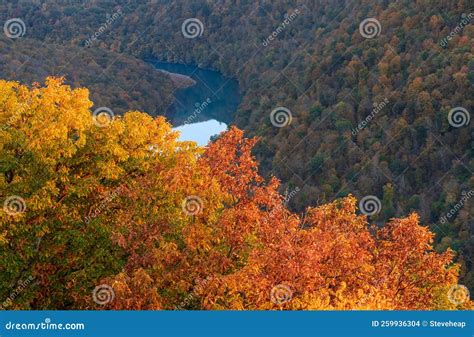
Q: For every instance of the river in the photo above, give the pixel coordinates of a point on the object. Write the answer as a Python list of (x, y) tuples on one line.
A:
[(205, 108)]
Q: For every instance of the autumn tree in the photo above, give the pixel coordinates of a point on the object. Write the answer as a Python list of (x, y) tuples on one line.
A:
[(334, 260), (60, 168)]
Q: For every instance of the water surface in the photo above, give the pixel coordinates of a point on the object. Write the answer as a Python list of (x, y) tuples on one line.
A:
[(205, 108), (201, 132)]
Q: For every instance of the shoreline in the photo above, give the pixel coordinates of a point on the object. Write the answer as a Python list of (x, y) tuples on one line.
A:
[(179, 80)]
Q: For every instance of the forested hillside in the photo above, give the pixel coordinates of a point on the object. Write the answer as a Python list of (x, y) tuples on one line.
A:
[(369, 115), (115, 80)]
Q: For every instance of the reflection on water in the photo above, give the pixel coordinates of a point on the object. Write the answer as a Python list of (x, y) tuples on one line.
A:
[(201, 132), (205, 108)]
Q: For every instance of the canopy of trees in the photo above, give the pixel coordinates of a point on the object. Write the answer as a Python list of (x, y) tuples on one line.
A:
[(328, 75), (118, 81), (163, 224)]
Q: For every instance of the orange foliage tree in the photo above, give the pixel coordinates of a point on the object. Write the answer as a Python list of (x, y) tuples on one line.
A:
[(243, 249)]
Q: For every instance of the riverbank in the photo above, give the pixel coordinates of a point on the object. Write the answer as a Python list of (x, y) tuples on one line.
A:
[(179, 80)]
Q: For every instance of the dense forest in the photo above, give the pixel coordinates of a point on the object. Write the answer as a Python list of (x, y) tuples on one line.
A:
[(121, 215), (140, 87), (370, 116)]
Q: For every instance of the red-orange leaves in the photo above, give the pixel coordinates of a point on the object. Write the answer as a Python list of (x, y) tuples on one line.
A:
[(408, 267), (334, 262), (232, 163)]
